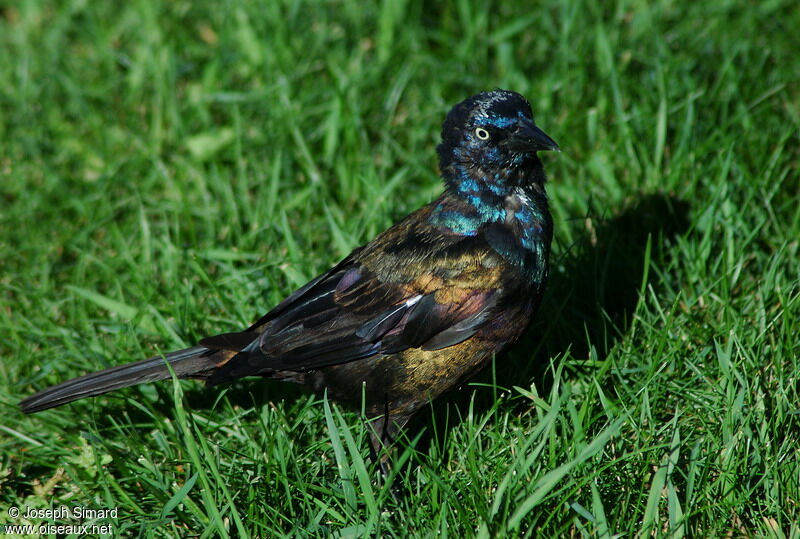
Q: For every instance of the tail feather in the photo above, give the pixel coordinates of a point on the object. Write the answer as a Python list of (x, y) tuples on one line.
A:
[(187, 363)]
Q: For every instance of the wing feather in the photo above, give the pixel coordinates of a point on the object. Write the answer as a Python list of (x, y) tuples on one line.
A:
[(363, 308)]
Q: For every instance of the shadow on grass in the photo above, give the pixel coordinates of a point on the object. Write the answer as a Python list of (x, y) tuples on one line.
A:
[(592, 294)]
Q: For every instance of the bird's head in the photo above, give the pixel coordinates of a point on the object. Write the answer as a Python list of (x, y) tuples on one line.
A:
[(489, 138)]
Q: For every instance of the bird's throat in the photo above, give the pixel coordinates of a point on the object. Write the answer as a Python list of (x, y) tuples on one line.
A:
[(513, 216), (477, 197)]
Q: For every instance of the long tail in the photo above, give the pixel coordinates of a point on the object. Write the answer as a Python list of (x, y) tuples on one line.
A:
[(192, 362)]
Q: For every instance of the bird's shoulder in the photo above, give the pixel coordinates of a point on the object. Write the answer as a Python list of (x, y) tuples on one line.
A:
[(419, 254)]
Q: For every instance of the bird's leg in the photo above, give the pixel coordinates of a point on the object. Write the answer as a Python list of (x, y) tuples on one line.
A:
[(383, 430), (380, 451), (381, 441)]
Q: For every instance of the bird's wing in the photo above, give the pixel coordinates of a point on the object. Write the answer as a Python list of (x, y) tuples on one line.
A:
[(351, 314), (359, 309)]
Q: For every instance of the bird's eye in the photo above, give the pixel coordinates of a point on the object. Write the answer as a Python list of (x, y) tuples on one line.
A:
[(482, 133)]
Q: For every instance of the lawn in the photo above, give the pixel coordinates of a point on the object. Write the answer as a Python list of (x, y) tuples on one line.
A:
[(170, 170)]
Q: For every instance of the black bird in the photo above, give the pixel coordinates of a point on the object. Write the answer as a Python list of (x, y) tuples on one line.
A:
[(414, 312)]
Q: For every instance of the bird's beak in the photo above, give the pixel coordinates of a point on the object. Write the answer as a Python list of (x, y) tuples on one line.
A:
[(529, 138)]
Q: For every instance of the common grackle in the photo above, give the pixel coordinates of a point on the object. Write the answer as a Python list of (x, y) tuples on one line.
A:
[(414, 312)]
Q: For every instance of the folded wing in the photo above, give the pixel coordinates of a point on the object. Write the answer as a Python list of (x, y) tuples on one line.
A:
[(350, 314)]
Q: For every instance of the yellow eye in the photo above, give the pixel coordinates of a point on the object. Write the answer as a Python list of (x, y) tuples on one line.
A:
[(482, 133)]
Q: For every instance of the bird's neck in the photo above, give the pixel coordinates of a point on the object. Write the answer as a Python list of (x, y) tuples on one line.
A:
[(509, 207), (476, 197)]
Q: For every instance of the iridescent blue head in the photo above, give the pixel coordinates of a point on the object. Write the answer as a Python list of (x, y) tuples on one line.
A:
[(489, 144)]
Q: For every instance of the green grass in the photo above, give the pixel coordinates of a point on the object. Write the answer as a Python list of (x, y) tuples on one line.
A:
[(170, 170)]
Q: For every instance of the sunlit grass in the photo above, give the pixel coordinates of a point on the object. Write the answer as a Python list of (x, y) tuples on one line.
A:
[(171, 170)]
